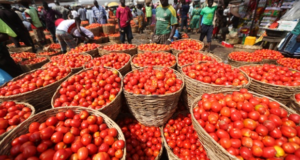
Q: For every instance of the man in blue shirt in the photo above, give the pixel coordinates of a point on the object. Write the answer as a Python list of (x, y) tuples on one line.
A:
[(183, 14), (99, 13)]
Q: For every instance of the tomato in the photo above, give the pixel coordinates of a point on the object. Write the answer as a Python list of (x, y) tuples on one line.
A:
[(61, 154), (29, 151), (47, 155), (83, 153), (86, 139)]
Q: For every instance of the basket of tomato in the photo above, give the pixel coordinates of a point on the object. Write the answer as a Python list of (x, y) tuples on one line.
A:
[(33, 63), (104, 96), (295, 102), (147, 59), (23, 55), (118, 48), (19, 49), (293, 63), (84, 23), (90, 48), (247, 125), (54, 47), (269, 56), (153, 103), (12, 115), (66, 133), (95, 28), (187, 139), (142, 142), (153, 47), (274, 81), (114, 37), (119, 61), (109, 28), (184, 44), (35, 87), (240, 58)]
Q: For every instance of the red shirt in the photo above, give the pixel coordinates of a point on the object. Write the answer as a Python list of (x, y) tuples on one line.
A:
[(123, 14)]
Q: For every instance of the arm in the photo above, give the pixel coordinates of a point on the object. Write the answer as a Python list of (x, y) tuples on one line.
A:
[(28, 18), (94, 15), (172, 33)]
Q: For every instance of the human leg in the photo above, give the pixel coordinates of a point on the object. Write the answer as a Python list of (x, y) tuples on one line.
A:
[(203, 32), (129, 33), (69, 40), (209, 36), (63, 45), (52, 31)]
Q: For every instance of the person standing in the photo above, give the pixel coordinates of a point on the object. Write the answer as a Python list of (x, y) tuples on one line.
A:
[(165, 17), (206, 29), (82, 13), (32, 16), (195, 18), (14, 22), (141, 17), (99, 13), (124, 17), (184, 14), (153, 14), (149, 13), (50, 17), (6, 62), (62, 10), (90, 15)]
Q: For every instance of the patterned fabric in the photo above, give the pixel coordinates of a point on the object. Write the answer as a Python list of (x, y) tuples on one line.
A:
[(64, 39), (165, 18), (50, 17), (99, 14), (196, 18), (290, 46), (161, 39), (39, 34)]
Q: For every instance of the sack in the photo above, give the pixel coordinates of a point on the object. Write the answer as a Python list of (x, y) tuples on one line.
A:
[(4, 77), (292, 14)]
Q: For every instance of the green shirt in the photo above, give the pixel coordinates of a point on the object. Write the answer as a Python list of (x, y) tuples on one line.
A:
[(4, 28), (148, 11), (165, 18), (296, 30), (208, 15), (34, 17)]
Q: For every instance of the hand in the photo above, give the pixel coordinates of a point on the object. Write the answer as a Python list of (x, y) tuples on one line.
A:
[(121, 30), (168, 42), (298, 38)]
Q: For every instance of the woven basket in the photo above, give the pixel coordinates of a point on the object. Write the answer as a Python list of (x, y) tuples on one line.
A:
[(294, 104), (109, 29), (269, 61), (2, 136), (135, 67), (42, 117), (213, 149), (240, 63), (135, 29), (27, 68), (196, 88), (19, 49), (111, 110), (187, 99), (111, 21), (48, 49), (175, 51), (114, 38), (153, 110), (132, 51), (280, 93), (95, 31), (93, 53), (40, 98)]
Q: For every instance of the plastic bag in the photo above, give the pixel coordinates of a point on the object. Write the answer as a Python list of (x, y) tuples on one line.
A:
[(293, 13), (4, 77)]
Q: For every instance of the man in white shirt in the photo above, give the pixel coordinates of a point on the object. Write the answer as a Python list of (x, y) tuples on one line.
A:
[(82, 13), (90, 15), (74, 13)]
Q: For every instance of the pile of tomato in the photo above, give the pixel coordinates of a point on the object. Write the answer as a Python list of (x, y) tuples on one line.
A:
[(154, 47), (297, 97), (142, 142), (190, 56), (187, 44), (71, 60), (290, 62), (68, 135), (55, 46), (114, 60), (84, 48), (184, 35), (93, 88), (47, 53), (152, 81), (183, 139), (96, 37), (114, 35), (154, 59), (12, 114), (215, 73), (118, 47), (34, 80), (268, 54), (23, 55), (17, 60), (248, 126), (245, 56), (84, 22), (273, 74), (33, 61), (12, 44), (93, 25)]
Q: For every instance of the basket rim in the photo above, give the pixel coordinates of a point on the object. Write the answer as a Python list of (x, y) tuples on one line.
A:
[(159, 95), (83, 70), (268, 84), (101, 47), (215, 85), (198, 98), (258, 62), (203, 53), (154, 51), (29, 92), (191, 39), (134, 56)]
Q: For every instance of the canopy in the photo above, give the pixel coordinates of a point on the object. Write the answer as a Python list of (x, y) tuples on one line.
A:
[(113, 4)]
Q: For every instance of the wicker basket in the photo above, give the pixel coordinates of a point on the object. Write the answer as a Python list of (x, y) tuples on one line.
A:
[(153, 110), (19, 49), (175, 51), (186, 98), (30, 67), (132, 51), (95, 31), (111, 21), (269, 61), (39, 98), (196, 88), (135, 67), (42, 117), (213, 149), (2, 136), (240, 63), (111, 110), (109, 29), (294, 104), (114, 38), (280, 93), (93, 53), (48, 49), (135, 29)]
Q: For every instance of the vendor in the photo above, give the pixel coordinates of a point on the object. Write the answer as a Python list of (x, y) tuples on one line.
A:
[(233, 23), (79, 38), (291, 44)]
